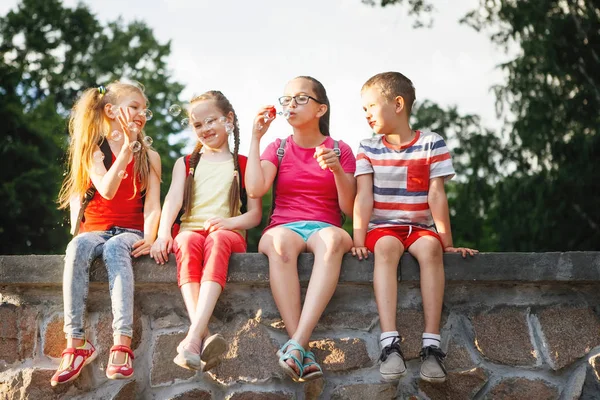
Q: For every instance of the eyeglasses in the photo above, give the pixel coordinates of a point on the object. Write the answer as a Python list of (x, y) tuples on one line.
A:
[(300, 99)]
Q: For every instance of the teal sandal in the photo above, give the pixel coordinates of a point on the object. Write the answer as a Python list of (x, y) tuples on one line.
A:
[(285, 353), (314, 374)]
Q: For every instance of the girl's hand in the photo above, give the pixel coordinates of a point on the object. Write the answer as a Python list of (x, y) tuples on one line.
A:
[(327, 158), (141, 247), (261, 127), (124, 119), (360, 252), (462, 250), (216, 223), (160, 249)]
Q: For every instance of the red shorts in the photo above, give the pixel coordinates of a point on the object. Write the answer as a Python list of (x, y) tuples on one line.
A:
[(406, 234)]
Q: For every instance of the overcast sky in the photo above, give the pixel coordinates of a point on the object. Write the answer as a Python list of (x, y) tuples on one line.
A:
[(250, 49)]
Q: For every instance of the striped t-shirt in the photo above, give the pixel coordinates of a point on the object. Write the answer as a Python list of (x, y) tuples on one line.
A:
[(401, 177)]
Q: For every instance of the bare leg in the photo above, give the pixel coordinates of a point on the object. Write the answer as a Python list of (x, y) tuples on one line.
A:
[(428, 252), (329, 246), (388, 251), (282, 246), (207, 300)]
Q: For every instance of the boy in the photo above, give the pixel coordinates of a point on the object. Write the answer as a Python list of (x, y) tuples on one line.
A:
[(401, 200)]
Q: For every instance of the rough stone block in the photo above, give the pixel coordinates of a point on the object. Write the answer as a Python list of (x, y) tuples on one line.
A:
[(9, 350), (341, 354), (346, 320), (261, 396), (314, 389), (127, 391), (458, 385), (54, 337), (36, 385), (170, 320), (194, 394), (251, 355), (410, 326), (560, 327), (521, 388), (458, 356), (8, 321), (163, 369), (503, 335), (384, 391), (591, 387), (28, 328)]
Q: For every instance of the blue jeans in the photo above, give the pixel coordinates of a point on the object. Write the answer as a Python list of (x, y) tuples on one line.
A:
[(115, 246)]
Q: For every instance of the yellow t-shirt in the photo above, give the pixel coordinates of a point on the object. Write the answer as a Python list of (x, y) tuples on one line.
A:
[(212, 181)]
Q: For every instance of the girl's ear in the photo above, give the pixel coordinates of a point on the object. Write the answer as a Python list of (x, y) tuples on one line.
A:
[(399, 103), (109, 111), (322, 110), (230, 116)]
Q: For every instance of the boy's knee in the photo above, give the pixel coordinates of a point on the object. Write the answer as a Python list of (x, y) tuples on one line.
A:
[(388, 247), (429, 249)]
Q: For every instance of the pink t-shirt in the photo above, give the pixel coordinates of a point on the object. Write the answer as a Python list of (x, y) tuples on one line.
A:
[(305, 192)]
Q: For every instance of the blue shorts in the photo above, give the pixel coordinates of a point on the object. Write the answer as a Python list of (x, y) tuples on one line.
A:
[(306, 228)]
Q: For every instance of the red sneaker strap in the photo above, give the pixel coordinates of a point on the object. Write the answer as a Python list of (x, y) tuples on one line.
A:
[(122, 348)]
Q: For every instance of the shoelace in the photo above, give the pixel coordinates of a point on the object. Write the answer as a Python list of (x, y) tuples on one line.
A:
[(436, 352), (389, 349)]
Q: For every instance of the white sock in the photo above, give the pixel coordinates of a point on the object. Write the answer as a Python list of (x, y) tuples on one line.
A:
[(387, 338), (431, 339)]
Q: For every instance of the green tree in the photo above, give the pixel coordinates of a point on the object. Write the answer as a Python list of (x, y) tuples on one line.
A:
[(550, 102), (50, 54)]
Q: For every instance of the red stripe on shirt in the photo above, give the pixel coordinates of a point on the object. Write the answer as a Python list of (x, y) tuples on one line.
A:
[(401, 206)]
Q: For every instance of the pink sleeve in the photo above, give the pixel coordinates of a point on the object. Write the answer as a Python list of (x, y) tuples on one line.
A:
[(347, 159), (270, 153)]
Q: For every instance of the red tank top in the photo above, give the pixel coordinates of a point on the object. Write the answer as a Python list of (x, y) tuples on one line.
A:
[(125, 210)]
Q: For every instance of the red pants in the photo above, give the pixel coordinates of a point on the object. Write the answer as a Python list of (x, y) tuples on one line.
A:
[(203, 256), (405, 234)]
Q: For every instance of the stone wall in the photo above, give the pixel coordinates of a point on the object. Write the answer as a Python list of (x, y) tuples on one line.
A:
[(515, 326)]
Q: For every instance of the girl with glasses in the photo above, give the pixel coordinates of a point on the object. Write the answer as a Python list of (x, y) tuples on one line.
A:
[(208, 187), (314, 186)]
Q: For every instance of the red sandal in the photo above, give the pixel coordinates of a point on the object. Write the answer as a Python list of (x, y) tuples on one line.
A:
[(120, 371), (80, 357)]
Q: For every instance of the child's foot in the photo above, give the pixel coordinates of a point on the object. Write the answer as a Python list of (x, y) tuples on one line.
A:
[(310, 369), (120, 362), (213, 347), (392, 362), (73, 361), (432, 366), (188, 355), (291, 355)]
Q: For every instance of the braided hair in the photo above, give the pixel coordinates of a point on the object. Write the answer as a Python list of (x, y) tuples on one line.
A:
[(234, 192)]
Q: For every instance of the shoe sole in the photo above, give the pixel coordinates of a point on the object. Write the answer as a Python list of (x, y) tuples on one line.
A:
[(433, 379), (119, 376), (393, 377), (212, 352), (86, 362), (186, 362)]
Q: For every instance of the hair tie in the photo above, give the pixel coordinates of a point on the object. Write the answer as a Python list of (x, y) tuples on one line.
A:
[(191, 171), (101, 90), (235, 174)]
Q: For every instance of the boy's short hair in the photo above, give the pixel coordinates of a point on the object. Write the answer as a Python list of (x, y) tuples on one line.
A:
[(393, 84)]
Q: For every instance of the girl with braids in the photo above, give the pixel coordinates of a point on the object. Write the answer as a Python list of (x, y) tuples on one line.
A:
[(207, 186), (120, 220), (315, 184)]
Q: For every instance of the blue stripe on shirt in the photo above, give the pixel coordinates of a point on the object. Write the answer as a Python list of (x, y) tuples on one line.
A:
[(396, 192)]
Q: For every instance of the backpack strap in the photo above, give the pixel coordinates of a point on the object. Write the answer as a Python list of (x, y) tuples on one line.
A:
[(280, 154), (91, 192)]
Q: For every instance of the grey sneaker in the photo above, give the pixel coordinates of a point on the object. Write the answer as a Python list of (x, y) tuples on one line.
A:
[(392, 362), (432, 366)]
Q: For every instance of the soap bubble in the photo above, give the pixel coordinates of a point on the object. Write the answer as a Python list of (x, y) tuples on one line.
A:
[(135, 146), (175, 110)]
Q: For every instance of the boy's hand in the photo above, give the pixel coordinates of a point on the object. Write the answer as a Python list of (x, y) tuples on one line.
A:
[(141, 247), (160, 250), (360, 252), (462, 250)]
